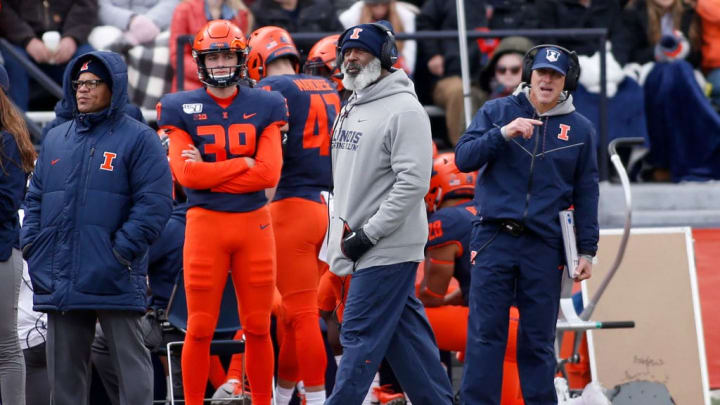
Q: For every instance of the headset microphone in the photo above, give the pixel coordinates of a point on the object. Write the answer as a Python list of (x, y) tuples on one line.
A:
[(339, 75)]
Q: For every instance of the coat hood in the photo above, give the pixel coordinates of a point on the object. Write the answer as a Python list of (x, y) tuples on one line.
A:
[(115, 64), (565, 106)]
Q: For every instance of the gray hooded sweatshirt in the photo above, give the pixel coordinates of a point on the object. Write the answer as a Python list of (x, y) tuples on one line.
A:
[(381, 164)]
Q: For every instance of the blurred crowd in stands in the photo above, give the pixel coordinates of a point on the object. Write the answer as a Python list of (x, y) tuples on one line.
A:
[(662, 77)]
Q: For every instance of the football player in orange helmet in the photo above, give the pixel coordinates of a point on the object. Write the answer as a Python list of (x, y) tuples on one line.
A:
[(449, 256), (299, 213), (225, 150), (268, 44), (448, 183), (212, 51), (321, 60), (451, 211)]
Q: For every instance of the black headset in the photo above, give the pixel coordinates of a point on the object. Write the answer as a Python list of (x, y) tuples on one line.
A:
[(573, 73), (388, 54)]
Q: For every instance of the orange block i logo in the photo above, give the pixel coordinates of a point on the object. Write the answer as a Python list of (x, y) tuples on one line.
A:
[(564, 129), (108, 163)]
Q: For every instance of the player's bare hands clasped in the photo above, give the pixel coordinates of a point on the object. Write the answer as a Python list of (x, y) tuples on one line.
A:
[(583, 270), (521, 127), (193, 155)]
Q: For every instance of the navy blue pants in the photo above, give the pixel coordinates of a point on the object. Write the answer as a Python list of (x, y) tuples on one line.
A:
[(523, 269), (383, 318)]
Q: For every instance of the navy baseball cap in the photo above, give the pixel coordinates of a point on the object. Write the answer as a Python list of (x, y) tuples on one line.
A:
[(551, 58), (95, 66), (4, 80), (366, 37)]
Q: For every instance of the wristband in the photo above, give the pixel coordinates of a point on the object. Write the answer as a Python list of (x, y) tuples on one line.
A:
[(433, 294), (438, 261)]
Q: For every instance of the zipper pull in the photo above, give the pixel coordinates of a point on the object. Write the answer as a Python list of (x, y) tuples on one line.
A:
[(92, 151)]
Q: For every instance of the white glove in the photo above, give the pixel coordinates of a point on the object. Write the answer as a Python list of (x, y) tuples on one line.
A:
[(230, 391), (141, 30)]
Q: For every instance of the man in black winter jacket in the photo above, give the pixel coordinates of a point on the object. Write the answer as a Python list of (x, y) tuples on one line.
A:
[(24, 22)]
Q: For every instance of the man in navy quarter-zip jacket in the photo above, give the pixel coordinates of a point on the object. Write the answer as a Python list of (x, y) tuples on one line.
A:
[(99, 196), (536, 157)]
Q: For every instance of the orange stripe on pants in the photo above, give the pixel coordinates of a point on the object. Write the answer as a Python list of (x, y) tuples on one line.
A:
[(300, 227), (244, 243)]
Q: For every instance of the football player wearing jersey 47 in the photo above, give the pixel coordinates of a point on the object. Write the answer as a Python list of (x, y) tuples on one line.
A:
[(299, 214), (226, 149)]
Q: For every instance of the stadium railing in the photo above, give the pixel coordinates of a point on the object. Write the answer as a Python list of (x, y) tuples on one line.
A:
[(599, 34)]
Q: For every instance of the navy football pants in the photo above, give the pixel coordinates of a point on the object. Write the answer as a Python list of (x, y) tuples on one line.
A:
[(383, 318), (523, 268)]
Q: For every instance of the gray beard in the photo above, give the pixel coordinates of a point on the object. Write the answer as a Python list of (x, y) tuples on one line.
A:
[(367, 75)]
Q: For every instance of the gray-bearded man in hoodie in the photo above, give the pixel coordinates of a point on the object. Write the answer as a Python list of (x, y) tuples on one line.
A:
[(381, 164)]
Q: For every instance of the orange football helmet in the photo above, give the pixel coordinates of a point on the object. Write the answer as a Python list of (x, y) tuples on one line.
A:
[(267, 44), (220, 36), (448, 181), (321, 60)]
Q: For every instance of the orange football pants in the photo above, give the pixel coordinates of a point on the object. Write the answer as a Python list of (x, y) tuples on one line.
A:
[(300, 226), (244, 243), (235, 368)]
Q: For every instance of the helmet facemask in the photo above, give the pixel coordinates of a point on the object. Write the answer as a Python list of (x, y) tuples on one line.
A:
[(212, 77)]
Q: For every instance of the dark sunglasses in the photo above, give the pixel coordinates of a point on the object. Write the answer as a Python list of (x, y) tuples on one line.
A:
[(90, 84), (502, 69)]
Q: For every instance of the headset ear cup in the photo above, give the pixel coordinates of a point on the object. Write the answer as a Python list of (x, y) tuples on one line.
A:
[(338, 49), (388, 55), (527, 67), (388, 52), (393, 52), (573, 75)]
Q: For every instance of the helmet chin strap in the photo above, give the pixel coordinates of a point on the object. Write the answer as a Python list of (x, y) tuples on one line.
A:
[(209, 75), (211, 72)]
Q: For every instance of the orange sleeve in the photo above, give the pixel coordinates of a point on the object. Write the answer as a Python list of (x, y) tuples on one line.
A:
[(268, 165), (327, 298), (199, 175)]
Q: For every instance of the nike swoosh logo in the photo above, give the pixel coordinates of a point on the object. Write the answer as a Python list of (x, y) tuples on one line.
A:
[(264, 226), (52, 162), (362, 120), (246, 116)]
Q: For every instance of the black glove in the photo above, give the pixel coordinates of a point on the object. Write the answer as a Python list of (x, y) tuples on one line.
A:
[(355, 245), (26, 251)]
